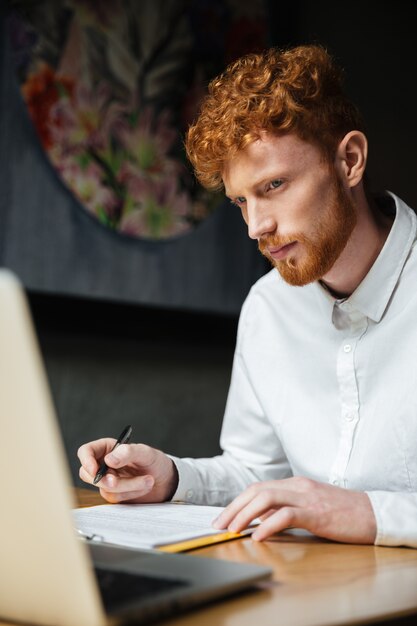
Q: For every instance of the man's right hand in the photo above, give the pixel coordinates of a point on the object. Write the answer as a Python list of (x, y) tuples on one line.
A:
[(137, 473)]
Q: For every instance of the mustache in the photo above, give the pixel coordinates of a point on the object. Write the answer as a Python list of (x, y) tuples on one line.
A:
[(277, 241)]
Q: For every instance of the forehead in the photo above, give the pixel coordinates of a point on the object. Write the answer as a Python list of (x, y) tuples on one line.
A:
[(270, 155)]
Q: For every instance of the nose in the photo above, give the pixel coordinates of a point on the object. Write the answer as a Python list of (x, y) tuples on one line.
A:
[(260, 221)]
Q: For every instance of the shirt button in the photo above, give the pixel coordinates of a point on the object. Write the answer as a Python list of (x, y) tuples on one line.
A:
[(335, 482), (349, 416), (189, 494), (347, 347)]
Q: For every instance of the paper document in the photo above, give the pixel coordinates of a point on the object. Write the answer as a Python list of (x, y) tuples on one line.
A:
[(172, 527)]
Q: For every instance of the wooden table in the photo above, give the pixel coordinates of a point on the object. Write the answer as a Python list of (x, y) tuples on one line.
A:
[(315, 582)]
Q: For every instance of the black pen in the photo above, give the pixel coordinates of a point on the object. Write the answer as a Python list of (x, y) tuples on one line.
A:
[(123, 438)]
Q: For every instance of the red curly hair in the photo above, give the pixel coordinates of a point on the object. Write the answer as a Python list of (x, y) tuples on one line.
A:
[(296, 90)]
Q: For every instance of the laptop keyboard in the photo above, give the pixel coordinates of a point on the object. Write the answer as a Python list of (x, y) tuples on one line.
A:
[(120, 588)]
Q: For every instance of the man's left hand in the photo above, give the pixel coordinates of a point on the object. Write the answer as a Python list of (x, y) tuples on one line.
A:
[(322, 509)]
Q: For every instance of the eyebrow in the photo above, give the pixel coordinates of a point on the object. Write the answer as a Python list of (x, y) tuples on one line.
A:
[(262, 181)]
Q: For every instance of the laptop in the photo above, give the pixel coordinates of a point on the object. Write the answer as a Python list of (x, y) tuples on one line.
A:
[(48, 575)]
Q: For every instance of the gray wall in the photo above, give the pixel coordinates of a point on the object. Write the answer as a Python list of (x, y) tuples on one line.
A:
[(165, 372)]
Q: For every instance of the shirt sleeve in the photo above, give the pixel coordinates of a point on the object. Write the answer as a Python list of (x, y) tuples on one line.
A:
[(396, 518), (251, 448)]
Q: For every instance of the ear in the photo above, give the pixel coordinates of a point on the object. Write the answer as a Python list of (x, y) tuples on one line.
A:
[(351, 156)]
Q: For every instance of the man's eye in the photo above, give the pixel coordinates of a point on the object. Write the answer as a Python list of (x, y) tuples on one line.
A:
[(239, 200), (274, 184)]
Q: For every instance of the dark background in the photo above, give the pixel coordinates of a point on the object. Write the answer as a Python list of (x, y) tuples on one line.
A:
[(163, 364), (376, 45)]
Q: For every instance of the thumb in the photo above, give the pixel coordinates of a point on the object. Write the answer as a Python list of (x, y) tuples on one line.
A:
[(126, 453), (118, 457)]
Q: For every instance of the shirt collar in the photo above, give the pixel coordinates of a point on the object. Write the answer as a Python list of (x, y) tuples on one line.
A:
[(371, 297)]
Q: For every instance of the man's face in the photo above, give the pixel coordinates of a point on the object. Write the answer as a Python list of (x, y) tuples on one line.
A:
[(293, 203)]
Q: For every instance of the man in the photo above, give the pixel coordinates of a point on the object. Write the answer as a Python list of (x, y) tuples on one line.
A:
[(320, 429)]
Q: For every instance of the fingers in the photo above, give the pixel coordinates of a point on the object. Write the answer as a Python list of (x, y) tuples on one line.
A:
[(137, 454), (135, 471), (127, 497), (324, 510), (90, 456), (256, 501), (114, 483), (265, 516), (115, 489), (285, 517), (93, 453)]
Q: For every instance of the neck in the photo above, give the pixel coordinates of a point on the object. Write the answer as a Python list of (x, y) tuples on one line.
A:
[(362, 249)]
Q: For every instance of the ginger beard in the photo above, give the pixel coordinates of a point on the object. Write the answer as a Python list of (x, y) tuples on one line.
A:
[(323, 248)]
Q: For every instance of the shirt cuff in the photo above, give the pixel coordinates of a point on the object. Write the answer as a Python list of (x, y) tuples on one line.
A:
[(185, 491), (396, 518)]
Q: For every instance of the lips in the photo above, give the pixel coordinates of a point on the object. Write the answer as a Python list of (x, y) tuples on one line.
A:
[(281, 252)]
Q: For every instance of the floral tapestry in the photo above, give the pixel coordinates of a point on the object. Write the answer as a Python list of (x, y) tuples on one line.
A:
[(112, 85)]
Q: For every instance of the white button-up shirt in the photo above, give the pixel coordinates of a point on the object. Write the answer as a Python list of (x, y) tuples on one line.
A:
[(327, 389)]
